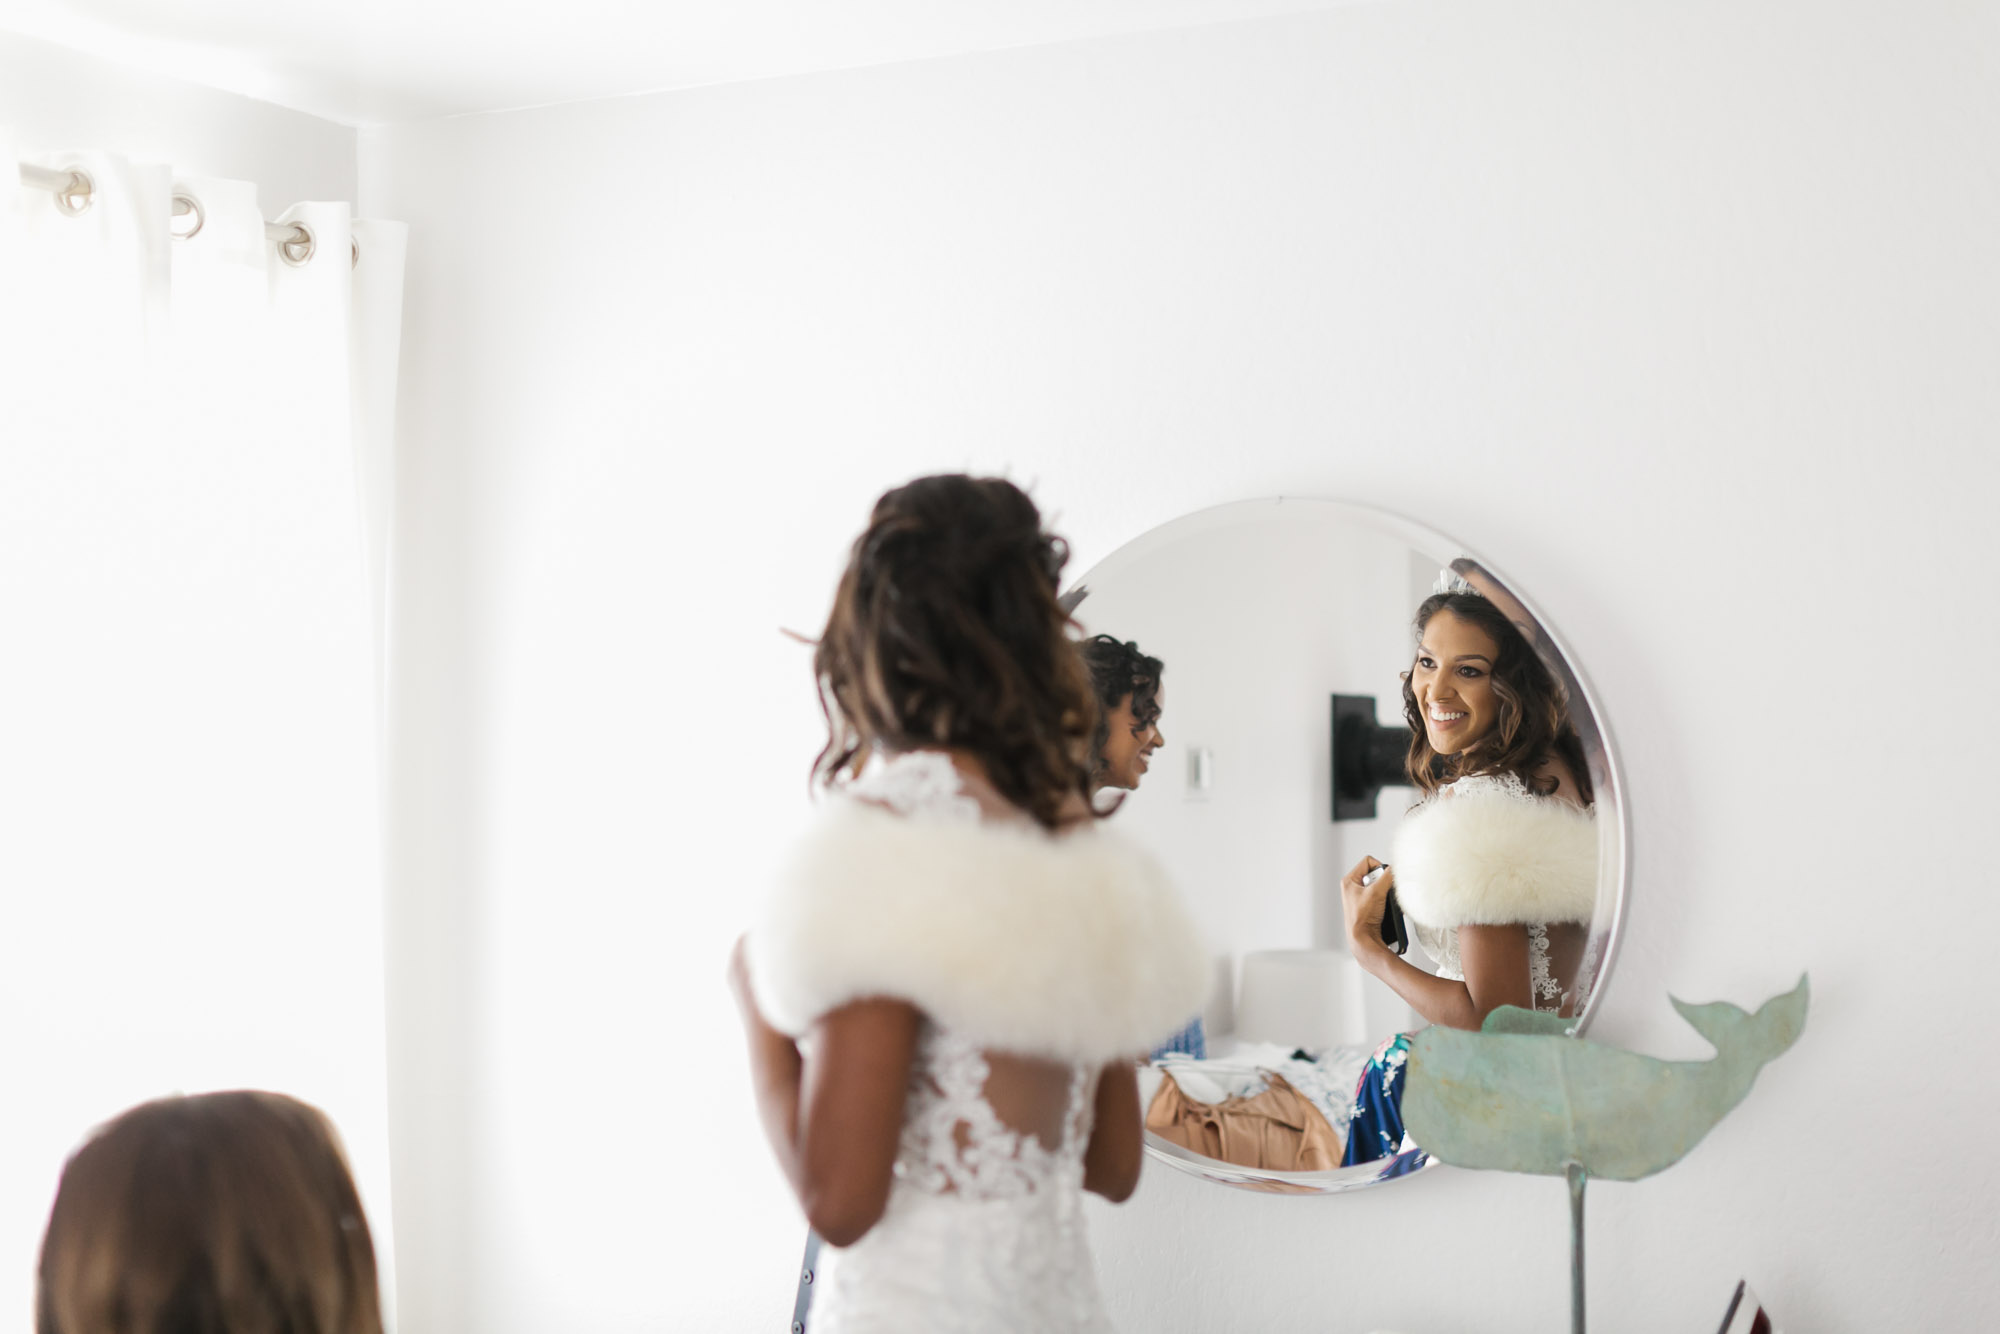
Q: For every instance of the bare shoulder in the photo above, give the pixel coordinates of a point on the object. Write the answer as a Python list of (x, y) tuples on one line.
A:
[(882, 1025)]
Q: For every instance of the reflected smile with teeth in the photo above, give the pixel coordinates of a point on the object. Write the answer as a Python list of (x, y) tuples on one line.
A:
[(1442, 723)]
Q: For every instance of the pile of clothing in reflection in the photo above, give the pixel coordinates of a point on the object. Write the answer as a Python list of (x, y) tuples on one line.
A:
[(1255, 1104)]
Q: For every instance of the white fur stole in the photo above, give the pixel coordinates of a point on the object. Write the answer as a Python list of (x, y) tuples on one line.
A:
[(1492, 858), (1071, 946)]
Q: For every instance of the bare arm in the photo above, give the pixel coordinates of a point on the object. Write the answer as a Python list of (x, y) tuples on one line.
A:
[(1495, 959), (1117, 1135), (834, 1123)]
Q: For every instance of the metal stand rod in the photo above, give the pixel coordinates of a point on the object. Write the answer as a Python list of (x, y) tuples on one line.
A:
[(1577, 1179), (802, 1305)]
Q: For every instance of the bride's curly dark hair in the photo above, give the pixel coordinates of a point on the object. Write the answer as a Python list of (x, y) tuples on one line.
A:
[(945, 631), (1533, 725)]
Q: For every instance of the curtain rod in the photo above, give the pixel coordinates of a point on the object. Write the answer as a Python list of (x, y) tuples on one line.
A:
[(74, 191)]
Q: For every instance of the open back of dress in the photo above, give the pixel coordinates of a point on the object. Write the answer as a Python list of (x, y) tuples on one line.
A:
[(984, 1232)]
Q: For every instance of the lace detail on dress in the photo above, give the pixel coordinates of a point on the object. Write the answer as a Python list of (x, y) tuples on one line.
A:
[(1512, 784), (1541, 985), (954, 1143), (1440, 943), (985, 1231), (916, 782)]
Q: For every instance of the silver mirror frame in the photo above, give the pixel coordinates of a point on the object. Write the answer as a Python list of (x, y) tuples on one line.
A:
[(1614, 840)]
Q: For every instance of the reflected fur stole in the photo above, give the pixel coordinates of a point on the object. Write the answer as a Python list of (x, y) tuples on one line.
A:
[(1493, 858), (1072, 946)]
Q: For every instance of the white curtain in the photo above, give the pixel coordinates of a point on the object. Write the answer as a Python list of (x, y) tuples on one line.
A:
[(194, 503)]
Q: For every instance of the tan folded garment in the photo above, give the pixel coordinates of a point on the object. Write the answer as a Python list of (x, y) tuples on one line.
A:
[(1278, 1129)]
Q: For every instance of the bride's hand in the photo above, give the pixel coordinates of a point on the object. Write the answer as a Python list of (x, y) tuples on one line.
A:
[(1363, 906)]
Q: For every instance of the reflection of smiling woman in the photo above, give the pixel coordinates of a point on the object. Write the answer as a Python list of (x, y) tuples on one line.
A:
[(1497, 867), (1129, 706)]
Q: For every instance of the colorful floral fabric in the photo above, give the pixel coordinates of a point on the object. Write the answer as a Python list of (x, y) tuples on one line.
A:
[(1376, 1130)]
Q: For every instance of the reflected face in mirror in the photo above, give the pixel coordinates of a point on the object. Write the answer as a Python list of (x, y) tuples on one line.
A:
[(1452, 678), (1126, 681), (1130, 741)]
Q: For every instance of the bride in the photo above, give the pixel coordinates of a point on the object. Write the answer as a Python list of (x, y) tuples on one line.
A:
[(958, 966), (1496, 868)]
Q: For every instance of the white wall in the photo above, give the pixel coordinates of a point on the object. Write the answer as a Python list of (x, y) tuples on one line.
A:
[(1684, 313), (55, 98)]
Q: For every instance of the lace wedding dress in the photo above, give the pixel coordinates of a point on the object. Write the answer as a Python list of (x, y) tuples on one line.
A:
[(984, 1231)]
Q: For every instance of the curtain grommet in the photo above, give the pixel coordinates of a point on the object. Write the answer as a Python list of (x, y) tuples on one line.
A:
[(76, 198), (297, 249), (187, 206)]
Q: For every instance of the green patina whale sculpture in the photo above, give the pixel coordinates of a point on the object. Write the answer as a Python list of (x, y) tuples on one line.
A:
[(1521, 1095)]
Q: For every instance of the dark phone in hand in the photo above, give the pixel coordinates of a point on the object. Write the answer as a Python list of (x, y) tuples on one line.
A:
[(1395, 929)]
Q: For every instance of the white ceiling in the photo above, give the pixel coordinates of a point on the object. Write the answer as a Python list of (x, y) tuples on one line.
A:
[(367, 62)]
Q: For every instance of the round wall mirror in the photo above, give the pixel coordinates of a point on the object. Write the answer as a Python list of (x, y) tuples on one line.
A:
[(1285, 630)]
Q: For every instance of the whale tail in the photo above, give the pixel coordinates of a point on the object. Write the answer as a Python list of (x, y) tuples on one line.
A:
[(1771, 1031)]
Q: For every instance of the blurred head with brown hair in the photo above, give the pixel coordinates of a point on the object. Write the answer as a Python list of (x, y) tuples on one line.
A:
[(946, 633), (226, 1213)]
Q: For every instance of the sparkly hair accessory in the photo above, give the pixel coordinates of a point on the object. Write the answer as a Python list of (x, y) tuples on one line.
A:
[(1452, 582)]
